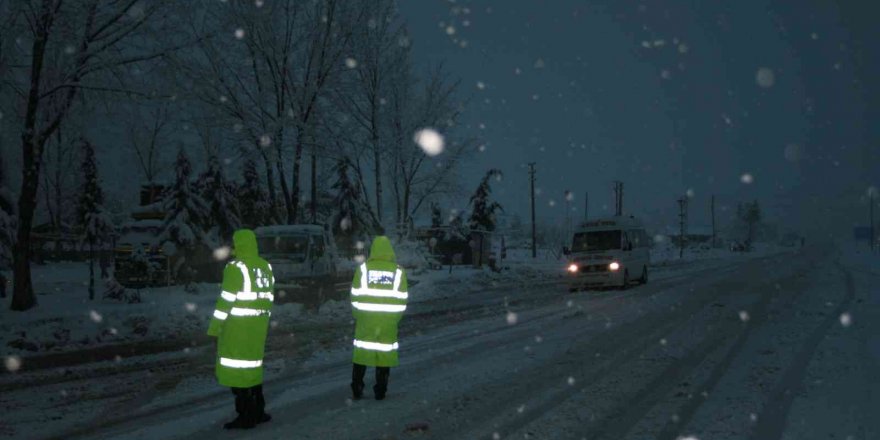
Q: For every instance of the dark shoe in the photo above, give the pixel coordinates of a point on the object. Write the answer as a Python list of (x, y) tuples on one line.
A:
[(357, 391), (264, 418), (380, 396), (379, 392), (239, 423)]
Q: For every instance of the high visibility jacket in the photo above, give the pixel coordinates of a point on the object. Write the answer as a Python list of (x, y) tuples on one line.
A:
[(378, 300), (241, 318)]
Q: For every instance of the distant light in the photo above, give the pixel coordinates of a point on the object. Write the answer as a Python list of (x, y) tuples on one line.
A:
[(430, 141), (614, 265), (572, 268)]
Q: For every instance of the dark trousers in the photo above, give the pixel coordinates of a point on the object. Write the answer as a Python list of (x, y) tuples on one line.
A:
[(249, 402), (357, 379)]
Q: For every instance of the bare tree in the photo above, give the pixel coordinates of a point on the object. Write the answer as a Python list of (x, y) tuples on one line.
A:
[(147, 131), (379, 58), (75, 47), (418, 177), (269, 76)]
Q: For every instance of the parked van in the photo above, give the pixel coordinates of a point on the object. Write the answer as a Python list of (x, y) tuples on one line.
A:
[(608, 252), (302, 256)]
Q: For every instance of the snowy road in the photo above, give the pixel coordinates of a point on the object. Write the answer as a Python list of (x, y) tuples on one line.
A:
[(731, 350)]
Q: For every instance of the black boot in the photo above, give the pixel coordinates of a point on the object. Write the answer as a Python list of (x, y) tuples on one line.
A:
[(243, 406), (381, 387), (357, 381), (260, 414)]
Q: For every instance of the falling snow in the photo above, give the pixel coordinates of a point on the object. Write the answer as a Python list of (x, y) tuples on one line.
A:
[(765, 77), (222, 253), (511, 318), (845, 319), (95, 316), (12, 363), (239, 33), (746, 178), (430, 141)]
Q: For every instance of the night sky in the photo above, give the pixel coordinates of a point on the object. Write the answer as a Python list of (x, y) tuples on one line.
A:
[(672, 98)]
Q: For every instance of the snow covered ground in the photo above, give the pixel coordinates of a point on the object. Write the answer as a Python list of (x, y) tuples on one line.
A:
[(714, 347)]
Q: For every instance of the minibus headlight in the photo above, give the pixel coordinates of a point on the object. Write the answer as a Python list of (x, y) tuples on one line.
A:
[(614, 265)]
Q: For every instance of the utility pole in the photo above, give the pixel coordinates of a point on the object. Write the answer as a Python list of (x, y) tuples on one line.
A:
[(712, 210), (618, 198), (532, 182), (586, 205), (682, 224), (568, 197), (871, 209)]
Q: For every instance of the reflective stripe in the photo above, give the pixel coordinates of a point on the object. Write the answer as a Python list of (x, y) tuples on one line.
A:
[(245, 274), (250, 296), (247, 296), (241, 311), (364, 284), (370, 307), (375, 346), (273, 273), (220, 315), (228, 296), (397, 275), (380, 293), (240, 363)]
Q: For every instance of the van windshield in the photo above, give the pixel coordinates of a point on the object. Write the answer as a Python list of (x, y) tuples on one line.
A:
[(292, 247), (595, 241)]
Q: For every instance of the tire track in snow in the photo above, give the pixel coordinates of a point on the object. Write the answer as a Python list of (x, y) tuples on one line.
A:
[(627, 351), (773, 418)]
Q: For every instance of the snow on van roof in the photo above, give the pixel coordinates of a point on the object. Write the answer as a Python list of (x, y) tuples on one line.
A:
[(289, 229), (610, 223)]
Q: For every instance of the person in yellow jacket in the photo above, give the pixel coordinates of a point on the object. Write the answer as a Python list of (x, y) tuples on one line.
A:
[(241, 323), (378, 300)]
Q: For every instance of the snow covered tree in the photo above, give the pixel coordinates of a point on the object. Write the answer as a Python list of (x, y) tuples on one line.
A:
[(186, 214), (484, 209), (7, 220), (68, 48), (347, 223), (224, 216), (253, 203), (96, 225)]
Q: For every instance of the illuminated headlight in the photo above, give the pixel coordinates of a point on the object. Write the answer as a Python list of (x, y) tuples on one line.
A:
[(572, 268), (614, 265)]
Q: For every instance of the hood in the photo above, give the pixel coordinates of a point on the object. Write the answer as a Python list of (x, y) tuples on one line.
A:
[(382, 250), (244, 243)]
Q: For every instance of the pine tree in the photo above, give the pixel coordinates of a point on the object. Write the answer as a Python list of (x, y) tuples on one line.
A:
[(186, 214), (8, 218), (347, 224), (224, 216), (96, 225), (252, 200), (484, 209)]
